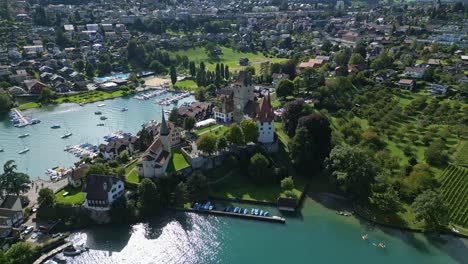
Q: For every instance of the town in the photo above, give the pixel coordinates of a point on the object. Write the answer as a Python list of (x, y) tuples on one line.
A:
[(255, 106)]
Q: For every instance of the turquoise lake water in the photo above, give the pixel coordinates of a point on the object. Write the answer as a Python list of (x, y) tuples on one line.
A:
[(318, 235), (46, 145)]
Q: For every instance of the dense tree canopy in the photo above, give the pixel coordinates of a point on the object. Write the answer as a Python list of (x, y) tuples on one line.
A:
[(250, 130), (431, 207), (12, 181), (235, 135), (285, 87), (207, 143), (148, 197), (46, 198), (259, 168), (5, 102)]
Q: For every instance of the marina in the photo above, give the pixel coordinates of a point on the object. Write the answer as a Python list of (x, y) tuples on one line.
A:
[(85, 150), (173, 99), (47, 145), (157, 91), (20, 120)]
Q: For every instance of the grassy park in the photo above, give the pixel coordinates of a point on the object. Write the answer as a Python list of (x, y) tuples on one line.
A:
[(89, 97), (188, 85), (229, 58), (178, 161), (215, 129), (131, 173)]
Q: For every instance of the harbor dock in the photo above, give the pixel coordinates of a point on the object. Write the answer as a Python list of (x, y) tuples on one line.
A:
[(52, 253), (272, 219), (18, 118)]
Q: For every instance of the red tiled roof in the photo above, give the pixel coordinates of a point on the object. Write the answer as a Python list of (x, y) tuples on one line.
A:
[(266, 113)]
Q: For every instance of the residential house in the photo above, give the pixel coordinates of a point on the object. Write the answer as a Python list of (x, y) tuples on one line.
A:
[(244, 61), (101, 191), (436, 89), (4, 70), (15, 90), (415, 72), (407, 84), (76, 175), (198, 110), (34, 86), (19, 77), (113, 148), (11, 211), (312, 63), (278, 77), (34, 48), (287, 204)]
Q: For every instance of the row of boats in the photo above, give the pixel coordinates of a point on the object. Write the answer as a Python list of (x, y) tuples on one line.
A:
[(19, 120), (173, 99), (82, 151), (208, 205), (240, 210), (116, 135), (147, 96)]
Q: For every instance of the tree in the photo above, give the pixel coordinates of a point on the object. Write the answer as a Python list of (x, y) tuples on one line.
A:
[(250, 130), (5, 102), (173, 73), (201, 94), (21, 253), (287, 183), (291, 114), (222, 143), (387, 201), (419, 179), (356, 59), (196, 185), (175, 117), (383, 61), (189, 123), (11, 181), (207, 143), (326, 45), (351, 168), (122, 210), (226, 72), (342, 57), (180, 194), (79, 65), (46, 95), (123, 157), (431, 207), (148, 197), (89, 70), (46, 198), (259, 168), (211, 50), (284, 88), (435, 154), (235, 135), (310, 147), (193, 69), (98, 169), (157, 67)]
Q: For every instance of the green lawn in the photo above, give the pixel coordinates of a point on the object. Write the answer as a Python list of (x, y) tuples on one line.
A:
[(215, 129), (75, 196), (188, 85), (177, 161), (29, 105), (89, 97), (131, 173), (229, 58)]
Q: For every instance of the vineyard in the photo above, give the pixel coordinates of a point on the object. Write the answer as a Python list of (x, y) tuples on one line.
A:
[(454, 181)]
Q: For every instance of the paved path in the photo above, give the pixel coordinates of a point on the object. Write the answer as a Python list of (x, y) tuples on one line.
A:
[(33, 193)]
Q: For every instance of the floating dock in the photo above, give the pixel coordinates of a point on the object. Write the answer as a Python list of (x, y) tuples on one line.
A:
[(23, 121), (52, 253), (272, 219)]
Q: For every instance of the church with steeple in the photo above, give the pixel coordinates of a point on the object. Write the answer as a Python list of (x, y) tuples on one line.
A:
[(154, 162)]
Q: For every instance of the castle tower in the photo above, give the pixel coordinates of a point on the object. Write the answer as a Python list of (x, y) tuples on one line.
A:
[(164, 133), (265, 122), (243, 90)]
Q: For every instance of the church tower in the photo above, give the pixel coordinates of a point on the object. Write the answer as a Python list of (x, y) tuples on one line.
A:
[(265, 122), (164, 133)]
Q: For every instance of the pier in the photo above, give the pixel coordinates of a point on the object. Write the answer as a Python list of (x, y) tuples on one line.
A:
[(51, 253), (271, 219), (21, 119)]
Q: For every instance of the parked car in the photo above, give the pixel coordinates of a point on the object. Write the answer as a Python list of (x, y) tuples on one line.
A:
[(28, 230), (43, 229), (34, 235)]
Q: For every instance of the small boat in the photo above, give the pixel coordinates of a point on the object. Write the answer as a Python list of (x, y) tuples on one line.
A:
[(261, 213), (236, 209), (246, 211), (382, 245), (252, 211), (101, 105), (103, 118), (35, 121), (23, 135), (55, 126), (124, 109), (67, 135), (98, 113), (100, 124), (265, 214), (71, 251), (59, 259), (365, 237), (240, 210), (2, 150), (81, 104), (23, 151)]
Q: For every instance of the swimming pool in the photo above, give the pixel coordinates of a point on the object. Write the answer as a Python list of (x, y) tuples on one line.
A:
[(111, 77)]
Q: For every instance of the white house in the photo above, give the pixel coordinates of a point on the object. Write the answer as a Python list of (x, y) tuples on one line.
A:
[(265, 122), (101, 191), (415, 72)]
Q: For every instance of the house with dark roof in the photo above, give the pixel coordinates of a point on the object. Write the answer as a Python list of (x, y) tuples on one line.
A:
[(76, 174), (287, 204), (224, 112), (101, 191), (415, 72), (34, 86), (11, 214), (113, 148)]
